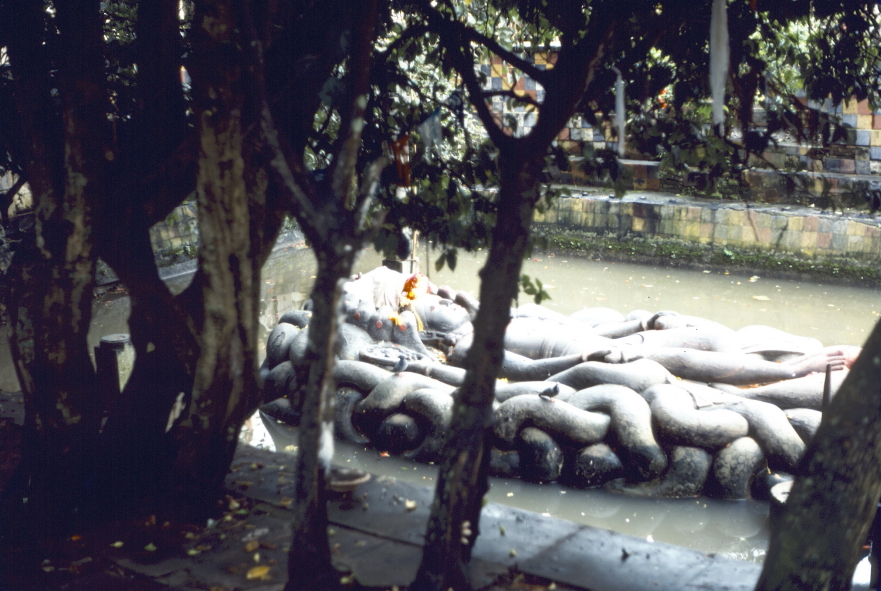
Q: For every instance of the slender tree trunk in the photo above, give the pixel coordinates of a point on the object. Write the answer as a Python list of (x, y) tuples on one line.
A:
[(832, 502), (309, 561), (134, 449), (334, 217), (462, 478)]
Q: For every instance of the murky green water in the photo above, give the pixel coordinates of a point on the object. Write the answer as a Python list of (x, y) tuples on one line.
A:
[(737, 529), (835, 315)]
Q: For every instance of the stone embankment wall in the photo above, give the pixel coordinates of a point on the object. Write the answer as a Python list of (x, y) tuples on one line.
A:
[(857, 152), (799, 233), (827, 242), (176, 238)]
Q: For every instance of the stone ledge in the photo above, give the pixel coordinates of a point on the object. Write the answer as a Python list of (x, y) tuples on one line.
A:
[(801, 231)]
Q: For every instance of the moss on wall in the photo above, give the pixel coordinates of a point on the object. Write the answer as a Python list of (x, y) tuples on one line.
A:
[(677, 253)]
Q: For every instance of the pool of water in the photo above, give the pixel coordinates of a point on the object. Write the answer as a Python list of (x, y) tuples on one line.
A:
[(836, 315)]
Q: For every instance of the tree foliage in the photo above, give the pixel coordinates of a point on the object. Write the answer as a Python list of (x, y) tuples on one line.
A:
[(293, 109)]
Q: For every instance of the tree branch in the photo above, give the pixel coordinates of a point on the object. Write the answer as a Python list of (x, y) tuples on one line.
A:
[(474, 36), (524, 98), (369, 184), (39, 125), (528, 68), (9, 195), (138, 201), (289, 172), (576, 68), (349, 144), (453, 40), (161, 110), (409, 33)]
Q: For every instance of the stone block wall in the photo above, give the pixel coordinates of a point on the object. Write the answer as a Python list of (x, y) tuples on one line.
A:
[(800, 231), (860, 153), (845, 171), (642, 175), (500, 76), (177, 237), (837, 190)]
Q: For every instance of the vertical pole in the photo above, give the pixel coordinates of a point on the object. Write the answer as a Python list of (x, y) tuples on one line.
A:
[(114, 359)]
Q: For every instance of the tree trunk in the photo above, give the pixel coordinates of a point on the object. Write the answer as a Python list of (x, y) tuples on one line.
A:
[(225, 383), (167, 331), (462, 478), (334, 217), (309, 562), (832, 502), (134, 448), (52, 276)]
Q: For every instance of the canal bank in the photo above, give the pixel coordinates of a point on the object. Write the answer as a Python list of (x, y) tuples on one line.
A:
[(657, 228), (785, 241)]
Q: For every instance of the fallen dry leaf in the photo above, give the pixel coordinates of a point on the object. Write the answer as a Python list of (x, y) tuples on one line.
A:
[(257, 572)]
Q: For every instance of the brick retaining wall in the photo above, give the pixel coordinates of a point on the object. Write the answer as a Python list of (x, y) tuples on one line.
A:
[(801, 231)]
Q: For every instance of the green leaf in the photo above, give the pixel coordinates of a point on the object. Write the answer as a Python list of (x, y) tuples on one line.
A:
[(451, 259), (536, 290)]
